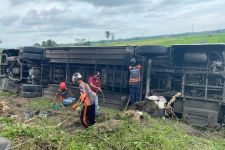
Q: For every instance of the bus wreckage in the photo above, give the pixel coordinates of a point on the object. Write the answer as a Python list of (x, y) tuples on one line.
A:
[(195, 71)]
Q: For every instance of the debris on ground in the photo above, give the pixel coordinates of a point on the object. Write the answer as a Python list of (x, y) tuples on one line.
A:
[(169, 109), (3, 107), (134, 115), (156, 106), (14, 116), (44, 114), (46, 145), (102, 117), (4, 143), (160, 101), (108, 126), (147, 106), (27, 115)]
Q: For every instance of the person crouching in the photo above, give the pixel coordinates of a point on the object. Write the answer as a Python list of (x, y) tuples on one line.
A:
[(63, 92)]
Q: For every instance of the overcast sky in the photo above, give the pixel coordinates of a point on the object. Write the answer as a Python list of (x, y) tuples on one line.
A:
[(24, 22)]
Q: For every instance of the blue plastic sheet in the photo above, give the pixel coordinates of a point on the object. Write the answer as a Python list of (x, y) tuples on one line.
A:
[(69, 101)]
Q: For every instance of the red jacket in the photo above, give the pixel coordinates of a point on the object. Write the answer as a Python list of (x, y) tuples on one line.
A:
[(95, 81)]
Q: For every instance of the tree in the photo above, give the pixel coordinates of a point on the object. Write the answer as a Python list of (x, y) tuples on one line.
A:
[(37, 45), (107, 34), (112, 36), (49, 43), (44, 44), (82, 42), (0, 41)]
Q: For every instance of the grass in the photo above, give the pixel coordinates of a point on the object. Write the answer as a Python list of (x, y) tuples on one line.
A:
[(152, 133), (167, 41), (6, 94)]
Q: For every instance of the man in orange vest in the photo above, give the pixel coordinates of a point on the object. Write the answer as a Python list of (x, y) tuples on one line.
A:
[(134, 80), (87, 98)]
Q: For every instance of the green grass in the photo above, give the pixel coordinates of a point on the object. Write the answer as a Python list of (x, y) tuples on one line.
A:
[(152, 133), (167, 41), (6, 94)]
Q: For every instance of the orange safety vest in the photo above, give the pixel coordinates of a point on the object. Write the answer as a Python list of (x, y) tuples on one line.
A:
[(86, 94), (135, 74), (84, 99)]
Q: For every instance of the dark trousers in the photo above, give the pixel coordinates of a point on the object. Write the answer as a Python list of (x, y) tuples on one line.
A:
[(135, 92), (87, 115)]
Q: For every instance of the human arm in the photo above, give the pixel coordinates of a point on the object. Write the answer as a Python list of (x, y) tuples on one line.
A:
[(62, 105), (79, 102), (70, 93), (95, 84), (55, 97), (95, 87)]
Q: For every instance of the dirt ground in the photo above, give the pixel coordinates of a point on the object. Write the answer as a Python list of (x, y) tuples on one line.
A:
[(15, 108)]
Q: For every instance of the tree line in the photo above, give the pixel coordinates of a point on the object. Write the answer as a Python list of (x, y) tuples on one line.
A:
[(52, 43), (79, 42)]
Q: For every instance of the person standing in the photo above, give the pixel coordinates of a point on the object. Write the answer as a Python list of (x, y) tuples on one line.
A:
[(87, 115), (134, 80), (95, 85)]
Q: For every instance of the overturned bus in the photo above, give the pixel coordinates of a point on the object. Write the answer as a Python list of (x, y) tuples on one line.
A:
[(197, 71)]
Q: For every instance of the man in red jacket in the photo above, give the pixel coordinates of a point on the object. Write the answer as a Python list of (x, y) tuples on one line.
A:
[(95, 85)]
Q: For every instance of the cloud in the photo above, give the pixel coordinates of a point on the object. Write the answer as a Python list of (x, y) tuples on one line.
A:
[(56, 20), (28, 21), (105, 3), (9, 19), (112, 3)]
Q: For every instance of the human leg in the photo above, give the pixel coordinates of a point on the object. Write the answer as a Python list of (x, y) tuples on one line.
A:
[(96, 105)]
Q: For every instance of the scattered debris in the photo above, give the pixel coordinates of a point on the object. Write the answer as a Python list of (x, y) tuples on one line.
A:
[(45, 145), (169, 110), (102, 117), (28, 115), (156, 106), (14, 116), (160, 101), (134, 115), (109, 126), (149, 107), (3, 107), (44, 114), (4, 143)]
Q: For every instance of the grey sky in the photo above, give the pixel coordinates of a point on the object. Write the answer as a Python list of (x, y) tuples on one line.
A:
[(24, 22)]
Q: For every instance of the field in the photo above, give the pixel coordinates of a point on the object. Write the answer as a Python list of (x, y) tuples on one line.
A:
[(167, 41), (114, 130)]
